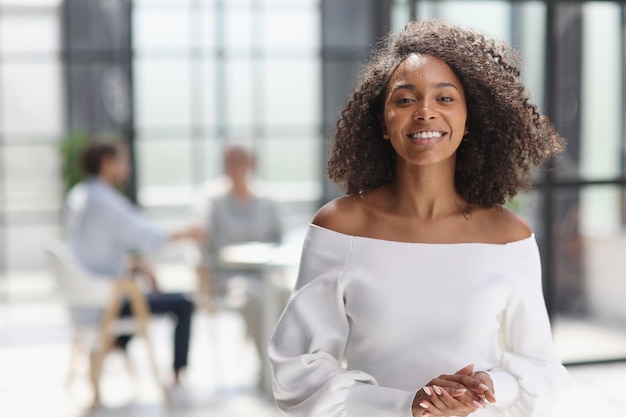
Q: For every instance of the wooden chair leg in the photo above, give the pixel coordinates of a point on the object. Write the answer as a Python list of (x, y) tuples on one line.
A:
[(206, 298), (141, 311), (206, 292), (104, 341), (96, 361), (76, 351)]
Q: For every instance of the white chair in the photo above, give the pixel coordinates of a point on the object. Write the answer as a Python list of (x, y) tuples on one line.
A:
[(94, 304)]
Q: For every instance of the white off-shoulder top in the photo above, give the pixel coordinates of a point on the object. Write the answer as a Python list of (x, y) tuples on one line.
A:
[(371, 321)]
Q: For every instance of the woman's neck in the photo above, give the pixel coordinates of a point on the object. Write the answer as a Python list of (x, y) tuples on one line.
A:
[(240, 191), (427, 192)]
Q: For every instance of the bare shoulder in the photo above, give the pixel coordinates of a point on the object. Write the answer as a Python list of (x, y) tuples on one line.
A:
[(345, 214), (505, 225)]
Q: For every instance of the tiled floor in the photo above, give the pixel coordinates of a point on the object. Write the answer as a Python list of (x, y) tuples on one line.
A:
[(35, 351), (34, 358), (221, 380)]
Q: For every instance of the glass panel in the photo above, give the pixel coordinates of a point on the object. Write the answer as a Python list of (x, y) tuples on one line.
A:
[(601, 210), (601, 104), (241, 133), (239, 94), (149, 25), (589, 285), (27, 3), (29, 33), (164, 163), (237, 3), (290, 159), (568, 295), (530, 39), (211, 93), (162, 93), (211, 155), (400, 15), (208, 25), (36, 109), (288, 3), (292, 92), (162, 3), (291, 29), (32, 177), (492, 17), (238, 24), (26, 249), (208, 169)]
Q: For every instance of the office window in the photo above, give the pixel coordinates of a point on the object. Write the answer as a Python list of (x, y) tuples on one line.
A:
[(245, 70), (31, 125)]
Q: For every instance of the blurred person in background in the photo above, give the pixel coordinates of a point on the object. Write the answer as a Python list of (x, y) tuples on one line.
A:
[(110, 236), (233, 213)]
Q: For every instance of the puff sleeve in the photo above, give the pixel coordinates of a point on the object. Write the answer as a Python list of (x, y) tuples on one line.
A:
[(306, 351), (530, 379)]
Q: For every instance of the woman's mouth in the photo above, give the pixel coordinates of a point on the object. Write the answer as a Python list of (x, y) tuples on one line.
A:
[(431, 134)]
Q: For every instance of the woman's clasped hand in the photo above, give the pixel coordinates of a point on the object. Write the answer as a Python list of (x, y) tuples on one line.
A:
[(455, 395)]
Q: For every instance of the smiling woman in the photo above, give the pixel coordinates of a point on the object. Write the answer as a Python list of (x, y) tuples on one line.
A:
[(438, 132)]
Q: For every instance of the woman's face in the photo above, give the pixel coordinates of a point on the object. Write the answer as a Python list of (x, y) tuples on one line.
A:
[(238, 164), (425, 115)]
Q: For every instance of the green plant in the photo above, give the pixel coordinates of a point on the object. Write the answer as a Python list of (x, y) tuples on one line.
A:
[(70, 149)]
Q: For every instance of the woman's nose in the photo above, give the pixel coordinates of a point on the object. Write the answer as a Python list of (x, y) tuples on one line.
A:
[(423, 112)]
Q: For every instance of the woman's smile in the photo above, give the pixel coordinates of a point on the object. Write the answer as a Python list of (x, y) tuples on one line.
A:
[(426, 137)]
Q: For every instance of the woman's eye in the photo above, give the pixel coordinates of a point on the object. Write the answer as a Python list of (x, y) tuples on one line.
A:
[(446, 99), (405, 100)]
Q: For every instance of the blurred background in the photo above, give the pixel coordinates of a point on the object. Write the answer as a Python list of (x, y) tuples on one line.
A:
[(179, 77)]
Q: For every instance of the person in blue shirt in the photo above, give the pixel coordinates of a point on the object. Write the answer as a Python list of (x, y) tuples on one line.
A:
[(108, 234)]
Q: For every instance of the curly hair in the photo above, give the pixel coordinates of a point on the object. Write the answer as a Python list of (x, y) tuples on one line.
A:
[(508, 136)]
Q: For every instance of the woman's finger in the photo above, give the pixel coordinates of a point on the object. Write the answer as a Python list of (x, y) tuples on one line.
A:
[(430, 408), (443, 400)]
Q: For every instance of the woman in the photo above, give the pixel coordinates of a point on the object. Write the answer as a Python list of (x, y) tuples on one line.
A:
[(418, 293), (236, 213)]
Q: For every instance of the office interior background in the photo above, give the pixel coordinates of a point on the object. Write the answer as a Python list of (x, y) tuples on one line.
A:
[(180, 77)]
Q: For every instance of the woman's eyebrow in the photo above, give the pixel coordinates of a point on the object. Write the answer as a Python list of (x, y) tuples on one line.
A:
[(445, 84), (403, 86), (409, 86)]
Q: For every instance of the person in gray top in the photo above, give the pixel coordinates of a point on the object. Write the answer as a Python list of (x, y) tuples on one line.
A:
[(237, 215)]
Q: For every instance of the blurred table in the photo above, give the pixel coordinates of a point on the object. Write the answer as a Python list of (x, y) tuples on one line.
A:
[(277, 265)]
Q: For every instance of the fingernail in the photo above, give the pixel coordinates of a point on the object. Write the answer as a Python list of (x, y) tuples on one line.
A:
[(484, 387), (460, 391), (423, 405), (483, 403), (437, 389), (476, 404), (427, 391)]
